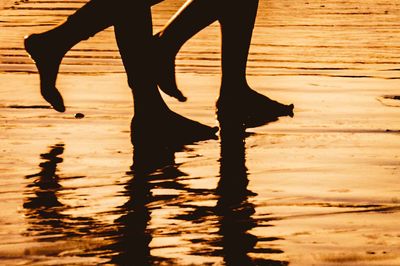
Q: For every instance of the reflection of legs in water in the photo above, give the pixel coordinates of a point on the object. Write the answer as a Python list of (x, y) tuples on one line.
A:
[(236, 212), (134, 235), (48, 48), (237, 24)]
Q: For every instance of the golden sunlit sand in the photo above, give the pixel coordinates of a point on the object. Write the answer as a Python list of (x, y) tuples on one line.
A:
[(323, 187)]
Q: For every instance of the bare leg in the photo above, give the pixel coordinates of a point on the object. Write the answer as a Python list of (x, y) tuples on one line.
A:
[(237, 100), (47, 49), (237, 23), (193, 16), (153, 119), (132, 21)]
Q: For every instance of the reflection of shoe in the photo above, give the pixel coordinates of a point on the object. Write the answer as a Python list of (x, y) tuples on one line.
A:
[(170, 129), (251, 109), (166, 79), (47, 63)]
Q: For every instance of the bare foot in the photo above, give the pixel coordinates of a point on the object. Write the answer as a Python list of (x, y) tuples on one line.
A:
[(166, 79), (170, 128), (47, 63), (251, 108)]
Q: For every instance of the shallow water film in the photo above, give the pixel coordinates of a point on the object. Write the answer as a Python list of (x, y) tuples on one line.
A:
[(321, 188)]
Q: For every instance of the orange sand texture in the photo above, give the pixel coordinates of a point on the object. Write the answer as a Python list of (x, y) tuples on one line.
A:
[(325, 184)]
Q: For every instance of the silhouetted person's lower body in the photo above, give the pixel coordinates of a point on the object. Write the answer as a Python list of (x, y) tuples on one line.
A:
[(133, 29), (237, 100), (237, 23)]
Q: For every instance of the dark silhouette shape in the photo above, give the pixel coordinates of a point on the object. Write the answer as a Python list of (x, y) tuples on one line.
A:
[(144, 54), (237, 99), (47, 183), (127, 241), (44, 210), (133, 237), (168, 133), (233, 207), (154, 167), (133, 29), (47, 49)]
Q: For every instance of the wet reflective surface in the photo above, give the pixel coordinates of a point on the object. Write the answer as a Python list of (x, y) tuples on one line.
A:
[(209, 225), (320, 188)]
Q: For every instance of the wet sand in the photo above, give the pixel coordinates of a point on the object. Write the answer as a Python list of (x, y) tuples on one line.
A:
[(321, 188)]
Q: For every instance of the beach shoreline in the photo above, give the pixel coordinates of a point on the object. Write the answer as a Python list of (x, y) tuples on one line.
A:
[(320, 188)]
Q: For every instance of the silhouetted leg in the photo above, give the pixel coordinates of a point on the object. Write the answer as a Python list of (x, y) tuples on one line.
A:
[(237, 23), (47, 49), (237, 99), (153, 119), (193, 16)]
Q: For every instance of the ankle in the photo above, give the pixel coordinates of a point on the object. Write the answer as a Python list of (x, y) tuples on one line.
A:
[(150, 111), (236, 85), (233, 93)]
